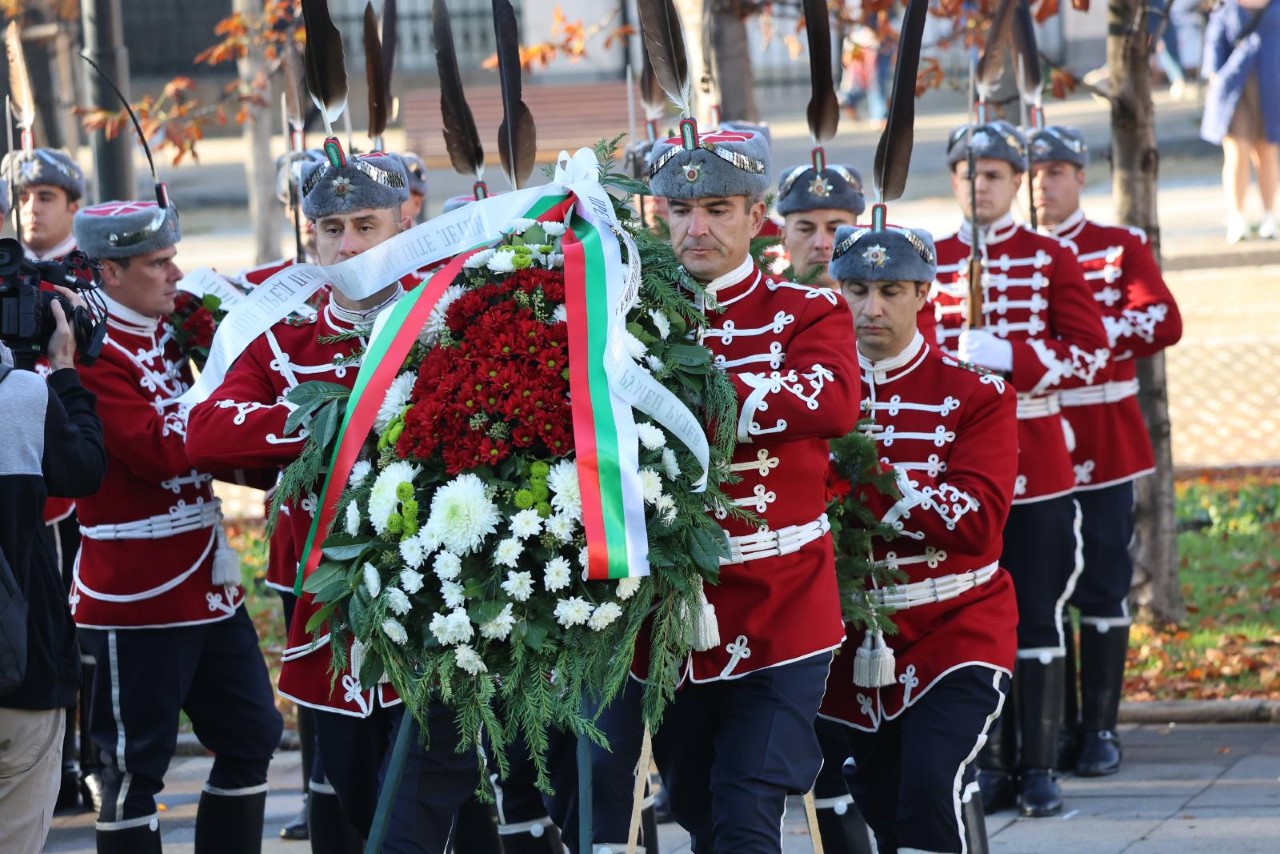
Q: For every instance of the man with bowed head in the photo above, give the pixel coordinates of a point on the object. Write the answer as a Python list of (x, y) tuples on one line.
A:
[(814, 203), (739, 736)]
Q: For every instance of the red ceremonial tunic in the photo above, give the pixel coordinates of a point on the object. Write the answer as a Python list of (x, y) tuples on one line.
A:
[(788, 350), (1141, 317), (242, 424), (151, 533), (945, 430), (1035, 297)]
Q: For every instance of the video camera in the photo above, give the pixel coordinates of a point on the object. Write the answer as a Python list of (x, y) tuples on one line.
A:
[(26, 316)]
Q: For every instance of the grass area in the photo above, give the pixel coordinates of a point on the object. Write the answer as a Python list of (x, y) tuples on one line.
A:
[(1229, 645)]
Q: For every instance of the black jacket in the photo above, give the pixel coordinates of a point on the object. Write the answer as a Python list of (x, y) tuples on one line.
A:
[(50, 444)]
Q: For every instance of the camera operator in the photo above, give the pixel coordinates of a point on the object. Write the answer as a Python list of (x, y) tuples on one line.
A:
[(53, 446)]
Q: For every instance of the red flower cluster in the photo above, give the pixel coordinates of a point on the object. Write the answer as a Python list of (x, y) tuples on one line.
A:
[(503, 387), (193, 327)]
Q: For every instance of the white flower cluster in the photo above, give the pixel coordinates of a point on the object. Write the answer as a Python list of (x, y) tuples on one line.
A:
[(396, 400)]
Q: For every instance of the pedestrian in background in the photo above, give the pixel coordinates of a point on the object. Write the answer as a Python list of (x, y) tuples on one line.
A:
[(1242, 105)]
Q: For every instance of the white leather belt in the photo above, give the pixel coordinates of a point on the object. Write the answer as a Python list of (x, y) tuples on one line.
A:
[(181, 519), (1038, 407), (940, 589), (1106, 393), (783, 541)]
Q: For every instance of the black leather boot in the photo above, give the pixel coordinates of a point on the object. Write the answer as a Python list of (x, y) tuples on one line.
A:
[(328, 827), (69, 787), (1040, 698), (975, 827), (1069, 735), (227, 823), (134, 840), (998, 759), (843, 829), (90, 761), (1102, 656)]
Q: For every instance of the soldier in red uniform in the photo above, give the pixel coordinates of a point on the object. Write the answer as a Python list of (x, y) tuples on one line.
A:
[(156, 593), (354, 204), (1041, 329), (944, 428), (814, 200), (739, 736), (1112, 448)]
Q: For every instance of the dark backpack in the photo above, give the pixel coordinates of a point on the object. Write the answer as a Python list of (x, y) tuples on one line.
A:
[(13, 621)]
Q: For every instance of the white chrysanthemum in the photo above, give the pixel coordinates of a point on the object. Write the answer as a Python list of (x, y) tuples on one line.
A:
[(584, 557), (372, 582), (557, 574), (661, 322), (397, 398), (666, 507), (397, 601), (359, 472), (462, 515), (566, 496), (650, 485), (519, 586), (654, 363), (353, 518), (561, 526), (478, 260), (670, 465), (628, 587), (412, 552), (447, 566), (395, 631), (469, 660), (508, 552), (519, 225), (382, 498), (526, 523), (555, 260), (651, 436), (455, 595), (573, 611), (452, 628), (411, 581), (434, 326), (560, 315), (500, 626), (603, 615), (634, 346), (502, 262), (553, 229)]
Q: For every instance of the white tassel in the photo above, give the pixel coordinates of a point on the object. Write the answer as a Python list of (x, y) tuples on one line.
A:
[(226, 561), (706, 626), (874, 665)]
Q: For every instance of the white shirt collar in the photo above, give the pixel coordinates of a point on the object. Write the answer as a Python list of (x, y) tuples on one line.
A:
[(127, 320), (1069, 227), (733, 277), (1000, 230), (63, 248), (887, 370), (348, 318)]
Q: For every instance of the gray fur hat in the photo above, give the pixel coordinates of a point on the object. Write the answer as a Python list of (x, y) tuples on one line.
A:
[(289, 170), (709, 165), (1058, 142), (125, 229), (340, 184), (996, 140), (47, 166), (820, 187), (761, 128), (889, 254), (416, 171)]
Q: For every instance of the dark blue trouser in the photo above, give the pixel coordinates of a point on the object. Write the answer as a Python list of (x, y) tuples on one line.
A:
[(730, 751), (436, 780), (1041, 553), (1106, 530), (612, 772), (908, 778), (215, 673)]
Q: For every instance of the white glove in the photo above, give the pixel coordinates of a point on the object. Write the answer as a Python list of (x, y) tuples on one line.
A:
[(982, 347)]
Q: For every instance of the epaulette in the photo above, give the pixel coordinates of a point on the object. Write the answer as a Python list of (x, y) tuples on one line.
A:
[(968, 366), (296, 320)]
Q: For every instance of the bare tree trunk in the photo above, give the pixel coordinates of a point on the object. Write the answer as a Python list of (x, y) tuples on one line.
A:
[(731, 60), (259, 166), (1135, 162)]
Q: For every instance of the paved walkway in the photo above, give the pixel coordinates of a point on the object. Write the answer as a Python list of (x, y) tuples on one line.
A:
[(1190, 789)]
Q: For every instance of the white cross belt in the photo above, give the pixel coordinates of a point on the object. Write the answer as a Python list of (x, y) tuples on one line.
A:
[(1038, 407), (783, 541), (1106, 393), (931, 590), (180, 519)]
